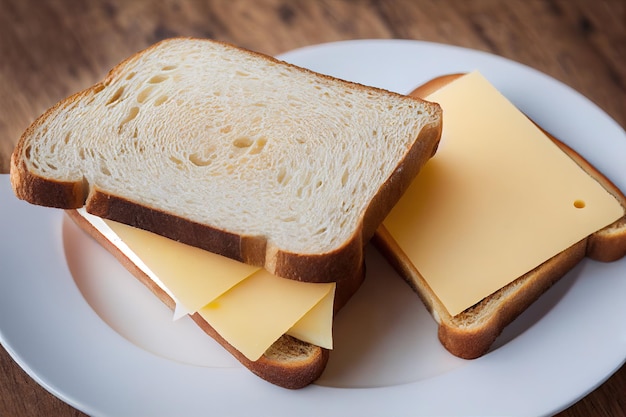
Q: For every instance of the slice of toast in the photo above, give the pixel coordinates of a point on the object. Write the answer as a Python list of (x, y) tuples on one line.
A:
[(288, 363), (471, 333), (233, 152)]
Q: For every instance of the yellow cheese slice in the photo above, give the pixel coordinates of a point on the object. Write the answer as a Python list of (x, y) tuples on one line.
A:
[(255, 307), (195, 276), (316, 326), (260, 309), (497, 200)]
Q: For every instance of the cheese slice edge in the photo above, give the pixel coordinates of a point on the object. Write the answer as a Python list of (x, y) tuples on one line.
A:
[(260, 309), (194, 275), (316, 326)]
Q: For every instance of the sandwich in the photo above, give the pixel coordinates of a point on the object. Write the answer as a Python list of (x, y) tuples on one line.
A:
[(501, 213), (230, 153)]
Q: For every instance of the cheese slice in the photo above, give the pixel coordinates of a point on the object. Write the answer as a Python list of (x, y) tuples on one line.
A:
[(103, 227), (255, 307), (195, 276), (317, 324), (497, 200), (257, 311)]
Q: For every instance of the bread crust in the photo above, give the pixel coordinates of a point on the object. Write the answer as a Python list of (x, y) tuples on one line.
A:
[(255, 250), (289, 362), (30, 187), (506, 305), (466, 336)]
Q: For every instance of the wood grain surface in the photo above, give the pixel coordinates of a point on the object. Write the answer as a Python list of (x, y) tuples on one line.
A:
[(49, 49)]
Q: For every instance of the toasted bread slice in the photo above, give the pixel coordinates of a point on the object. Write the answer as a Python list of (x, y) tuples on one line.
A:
[(471, 333), (233, 152), (289, 362)]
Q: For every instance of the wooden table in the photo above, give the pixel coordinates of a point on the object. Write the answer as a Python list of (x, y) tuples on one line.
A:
[(49, 49)]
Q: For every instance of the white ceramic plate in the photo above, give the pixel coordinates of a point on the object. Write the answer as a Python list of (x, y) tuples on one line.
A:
[(92, 336)]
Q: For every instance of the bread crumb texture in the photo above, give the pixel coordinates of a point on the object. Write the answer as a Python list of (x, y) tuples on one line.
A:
[(227, 137)]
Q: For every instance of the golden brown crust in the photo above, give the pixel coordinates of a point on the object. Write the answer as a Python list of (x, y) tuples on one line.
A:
[(30, 187), (53, 194), (124, 211), (289, 363), (286, 374), (507, 304), (464, 335)]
